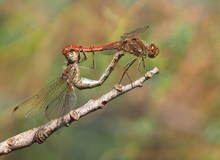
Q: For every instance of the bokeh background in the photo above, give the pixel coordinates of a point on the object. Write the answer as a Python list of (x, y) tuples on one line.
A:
[(174, 116)]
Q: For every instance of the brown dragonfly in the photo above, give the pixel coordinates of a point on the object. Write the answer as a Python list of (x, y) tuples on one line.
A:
[(129, 43)]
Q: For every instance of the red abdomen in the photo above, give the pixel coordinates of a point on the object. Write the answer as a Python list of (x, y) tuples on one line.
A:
[(113, 45)]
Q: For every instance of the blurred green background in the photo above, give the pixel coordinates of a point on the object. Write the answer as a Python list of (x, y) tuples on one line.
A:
[(174, 116)]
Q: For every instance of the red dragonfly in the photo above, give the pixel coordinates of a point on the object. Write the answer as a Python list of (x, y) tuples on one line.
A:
[(129, 43), (58, 97)]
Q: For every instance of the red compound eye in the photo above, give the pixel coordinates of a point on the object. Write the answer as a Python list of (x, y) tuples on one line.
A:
[(153, 50)]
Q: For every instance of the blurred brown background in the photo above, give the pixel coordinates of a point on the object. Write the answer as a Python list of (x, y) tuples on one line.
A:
[(174, 116)]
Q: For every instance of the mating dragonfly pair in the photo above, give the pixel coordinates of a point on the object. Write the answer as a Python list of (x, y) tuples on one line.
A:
[(58, 97)]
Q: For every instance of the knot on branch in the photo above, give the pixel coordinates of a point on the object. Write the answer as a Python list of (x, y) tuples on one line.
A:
[(42, 134), (118, 87), (10, 142), (74, 115), (7, 150)]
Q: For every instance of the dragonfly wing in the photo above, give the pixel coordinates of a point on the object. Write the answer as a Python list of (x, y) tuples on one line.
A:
[(134, 33), (62, 104), (70, 102), (111, 52), (35, 107)]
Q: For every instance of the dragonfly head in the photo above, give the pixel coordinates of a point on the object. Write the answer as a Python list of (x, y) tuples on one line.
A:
[(152, 50), (66, 50), (72, 57)]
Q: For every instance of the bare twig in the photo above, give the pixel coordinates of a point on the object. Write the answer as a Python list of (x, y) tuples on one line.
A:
[(41, 133)]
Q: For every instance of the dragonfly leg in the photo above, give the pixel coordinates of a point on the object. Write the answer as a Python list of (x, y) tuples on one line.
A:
[(128, 77), (139, 64), (85, 58), (126, 67), (143, 62), (84, 55), (93, 60)]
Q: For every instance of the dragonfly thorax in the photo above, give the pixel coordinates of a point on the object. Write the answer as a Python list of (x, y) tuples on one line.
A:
[(134, 46), (71, 74)]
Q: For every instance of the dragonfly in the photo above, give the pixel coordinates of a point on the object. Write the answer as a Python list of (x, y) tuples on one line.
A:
[(58, 97), (129, 43)]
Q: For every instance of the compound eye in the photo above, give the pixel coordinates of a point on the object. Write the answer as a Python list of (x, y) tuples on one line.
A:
[(153, 50), (71, 57)]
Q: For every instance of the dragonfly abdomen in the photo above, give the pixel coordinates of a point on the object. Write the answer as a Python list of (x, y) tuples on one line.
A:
[(113, 45)]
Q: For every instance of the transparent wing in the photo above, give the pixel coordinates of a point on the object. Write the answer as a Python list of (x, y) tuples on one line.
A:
[(134, 33), (108, 53), (51, 96), (62, 104)]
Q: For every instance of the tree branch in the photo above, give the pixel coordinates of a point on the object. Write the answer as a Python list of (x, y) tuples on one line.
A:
[(41, 133)]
